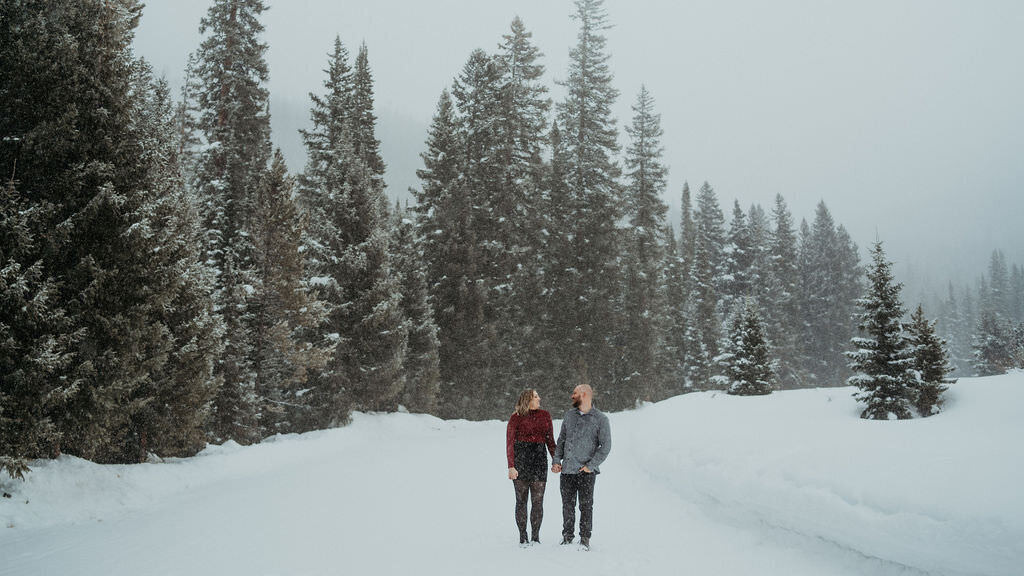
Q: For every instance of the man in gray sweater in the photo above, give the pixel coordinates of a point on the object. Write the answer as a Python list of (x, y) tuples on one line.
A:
[(583, 444)]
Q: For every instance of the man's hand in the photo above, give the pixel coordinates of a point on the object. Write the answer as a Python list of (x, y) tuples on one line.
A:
[(556, 468), (513, 473), (585, 470)]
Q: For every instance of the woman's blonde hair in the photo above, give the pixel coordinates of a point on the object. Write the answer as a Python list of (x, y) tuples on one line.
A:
[(523, 404)]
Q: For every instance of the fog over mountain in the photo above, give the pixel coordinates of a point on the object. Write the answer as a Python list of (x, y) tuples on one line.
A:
[(904, 117)]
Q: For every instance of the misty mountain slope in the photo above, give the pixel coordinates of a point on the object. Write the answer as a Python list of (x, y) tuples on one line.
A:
[(792, 483)]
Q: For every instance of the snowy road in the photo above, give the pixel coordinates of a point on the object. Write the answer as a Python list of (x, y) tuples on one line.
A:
[(400, 494)]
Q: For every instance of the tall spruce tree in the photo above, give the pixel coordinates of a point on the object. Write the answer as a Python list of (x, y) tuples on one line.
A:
[(999, 287), (644, 297), (85, 133), (848, 286), (35, 346), (444, 215), (477, 97), (992, 344), (783, 314), (954, 325), (883, 359), (422, 368), (288, 341), (557, 271), (674, 360), (831, 278), (516, 211), (173, 404), (707, 271), (738, 258), (234, 125), (678, 285), (322, 192), (363, 124), (687, 229), (372, 331), (1017, 346), (931, 363), (590, 140), (704, 327), (1017, 294), (710, 228), (759, 231)]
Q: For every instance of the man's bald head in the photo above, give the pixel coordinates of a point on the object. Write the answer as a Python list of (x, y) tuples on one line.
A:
[(583, 397)]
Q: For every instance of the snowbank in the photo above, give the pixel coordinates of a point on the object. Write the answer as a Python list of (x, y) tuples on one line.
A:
[(791, 483)]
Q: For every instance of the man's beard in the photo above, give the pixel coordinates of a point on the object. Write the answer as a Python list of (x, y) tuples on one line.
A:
[(576, 402)]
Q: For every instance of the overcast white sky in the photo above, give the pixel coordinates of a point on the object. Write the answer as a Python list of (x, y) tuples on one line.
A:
[(905, 116)]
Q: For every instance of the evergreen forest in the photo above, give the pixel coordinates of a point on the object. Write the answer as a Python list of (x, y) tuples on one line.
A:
[(166, 283)]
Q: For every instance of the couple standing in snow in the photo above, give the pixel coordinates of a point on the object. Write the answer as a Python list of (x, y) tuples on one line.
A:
[(583, 444)]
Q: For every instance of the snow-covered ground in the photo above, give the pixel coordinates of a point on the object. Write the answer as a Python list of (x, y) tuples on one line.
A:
[(705, 484)]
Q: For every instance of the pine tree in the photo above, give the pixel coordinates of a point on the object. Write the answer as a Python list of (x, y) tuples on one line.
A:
[(818, 294), (516, 213), (35, 347), (783, 314), (590, 141), (687, 230), (748, 369), (89, 139), (931, 363), (848, 286), (674, 352), (323, 195), (759, 270), (444, 222), (288, 340), (440, 177), (186, 124), (422, 369), (710, 229), (1017, 294), (373, 337), (883, 359), (522, 120), (999, 286), (704, 328), (171, 407), (993, 352), (678, 287), (477, 97), (830, 280), (556, 268), (956, 330), (738, 258), (502, 106), (231, 75), (363, 123), (1017, 346), (645, 307)]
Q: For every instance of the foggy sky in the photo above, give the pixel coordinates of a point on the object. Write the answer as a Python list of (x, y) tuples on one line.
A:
[(904, 116)]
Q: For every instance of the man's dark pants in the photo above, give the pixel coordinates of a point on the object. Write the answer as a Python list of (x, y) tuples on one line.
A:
[(579, 485)]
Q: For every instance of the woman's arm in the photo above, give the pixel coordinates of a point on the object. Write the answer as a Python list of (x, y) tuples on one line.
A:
[(549, 435), (510, 439)]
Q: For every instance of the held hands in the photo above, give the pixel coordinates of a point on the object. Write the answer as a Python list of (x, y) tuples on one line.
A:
[(557, 469), (513, 474)]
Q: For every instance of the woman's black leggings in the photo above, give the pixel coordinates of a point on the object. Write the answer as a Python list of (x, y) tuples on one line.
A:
[(536, 490)]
